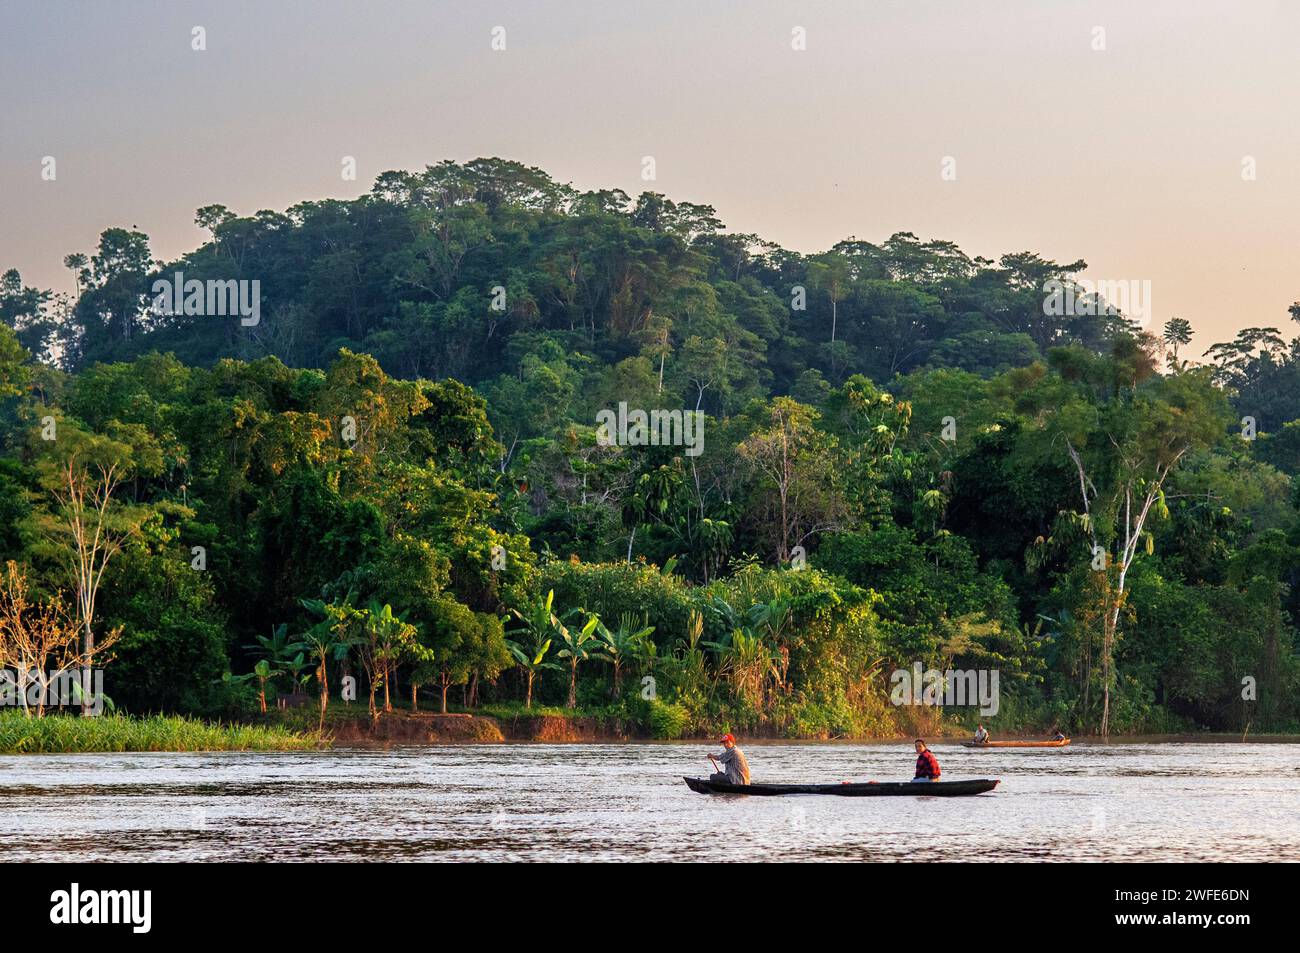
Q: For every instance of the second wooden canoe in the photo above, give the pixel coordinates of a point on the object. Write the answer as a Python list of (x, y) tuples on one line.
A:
[(1016, 744)]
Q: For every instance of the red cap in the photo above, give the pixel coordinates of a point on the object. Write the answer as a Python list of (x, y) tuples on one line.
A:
[(729, 737)]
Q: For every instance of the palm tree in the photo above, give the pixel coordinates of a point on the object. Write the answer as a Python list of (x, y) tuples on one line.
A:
[(710, 544), (623, 644), (578, 645), (744, 657), (1178, 331), (749, 661), (76, 263), (774, 616), (539, 624), (689, 658), (646, 656)]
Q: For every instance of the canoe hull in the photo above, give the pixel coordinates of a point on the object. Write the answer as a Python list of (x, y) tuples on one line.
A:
[(882, 789), (1016, 744)]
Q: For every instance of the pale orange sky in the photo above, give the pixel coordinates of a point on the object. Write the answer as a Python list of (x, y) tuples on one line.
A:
[(1129, 157)]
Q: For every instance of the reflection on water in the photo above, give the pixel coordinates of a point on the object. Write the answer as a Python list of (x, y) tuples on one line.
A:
[(606, 802)]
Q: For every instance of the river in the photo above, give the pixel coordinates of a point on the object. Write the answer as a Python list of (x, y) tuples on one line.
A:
[(1122, 802)]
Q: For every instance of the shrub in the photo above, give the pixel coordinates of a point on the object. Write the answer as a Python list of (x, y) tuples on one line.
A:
[(667, 720)]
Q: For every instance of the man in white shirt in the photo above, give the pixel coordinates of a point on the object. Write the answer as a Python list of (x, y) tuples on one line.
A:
[(734, 769)]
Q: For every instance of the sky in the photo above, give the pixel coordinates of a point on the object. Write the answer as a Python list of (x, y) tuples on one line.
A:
[(1157, 140)]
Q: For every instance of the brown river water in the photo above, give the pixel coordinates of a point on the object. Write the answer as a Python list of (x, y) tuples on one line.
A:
[(1122, 802)]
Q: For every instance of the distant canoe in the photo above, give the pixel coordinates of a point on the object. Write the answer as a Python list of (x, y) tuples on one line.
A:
[(881, 789), (1015, 744)]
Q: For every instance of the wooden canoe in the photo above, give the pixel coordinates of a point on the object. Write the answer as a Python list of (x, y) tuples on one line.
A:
[(1015, 744), (874, 789)]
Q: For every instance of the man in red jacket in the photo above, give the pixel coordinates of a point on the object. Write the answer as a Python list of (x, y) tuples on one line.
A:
[(927, 767)]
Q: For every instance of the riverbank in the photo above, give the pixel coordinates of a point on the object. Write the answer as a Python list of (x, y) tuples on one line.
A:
[(631, 719), (65, 734), (350, 724)]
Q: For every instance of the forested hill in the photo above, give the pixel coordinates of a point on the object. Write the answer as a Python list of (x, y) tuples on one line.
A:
[(906, 455), (480, 270), (406, 273)]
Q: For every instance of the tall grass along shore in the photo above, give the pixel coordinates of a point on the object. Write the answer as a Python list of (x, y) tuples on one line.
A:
[(61, 734)]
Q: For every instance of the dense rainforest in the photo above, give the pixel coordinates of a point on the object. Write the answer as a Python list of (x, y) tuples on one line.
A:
[(397, 474)]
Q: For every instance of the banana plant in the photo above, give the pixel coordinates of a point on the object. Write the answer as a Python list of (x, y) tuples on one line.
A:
[(387, 639), (330, 638), (262, 673), (578, 645), (623, 644), (538, 625), (532, 659), (284, 654)]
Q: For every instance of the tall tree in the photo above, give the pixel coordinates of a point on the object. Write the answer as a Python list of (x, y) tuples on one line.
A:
[(85, 523), (1123, 449), (796, 476), (829, 272)]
